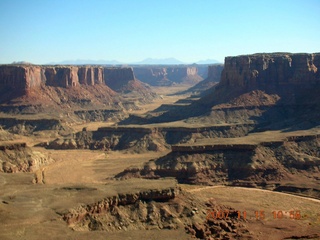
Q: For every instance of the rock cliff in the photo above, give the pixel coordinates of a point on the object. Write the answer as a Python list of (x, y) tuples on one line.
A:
[(271, 72), (141, 139), (18, 157), (82, 85), (293, 159), (117, 78), (168, 75), (30, 76), (21, 78), (214, 74), (70, 76), (259, 88)]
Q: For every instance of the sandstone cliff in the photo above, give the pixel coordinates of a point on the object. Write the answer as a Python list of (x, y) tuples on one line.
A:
[(117, 78), (273, 163), (141, 139), (168, 75), (214, 74), (47, 85), (30, 76), (271, 72), (263, 89), (69, 76), (21, 78)]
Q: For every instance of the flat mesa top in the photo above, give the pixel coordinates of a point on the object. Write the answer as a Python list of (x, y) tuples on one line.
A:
[(255, 138)]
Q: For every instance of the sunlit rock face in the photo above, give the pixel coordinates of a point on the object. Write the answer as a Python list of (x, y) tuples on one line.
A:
[(21, 79), (268, 71)]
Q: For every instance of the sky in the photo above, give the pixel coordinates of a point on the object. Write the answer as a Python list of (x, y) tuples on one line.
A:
[(44, 31)]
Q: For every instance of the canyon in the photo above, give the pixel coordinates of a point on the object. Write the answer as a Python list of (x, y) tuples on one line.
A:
[(172, 152), (169, 75)]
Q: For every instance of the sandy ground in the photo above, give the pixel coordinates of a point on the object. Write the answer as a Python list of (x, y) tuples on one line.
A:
[(86, 166)]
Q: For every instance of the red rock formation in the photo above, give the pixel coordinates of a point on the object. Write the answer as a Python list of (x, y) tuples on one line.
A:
[(21, 78), (34, 89), (86, 76), (266, 71), (90, 75), (116, 78), (165, 76), (214, 72), (30, 76), (62, 76)]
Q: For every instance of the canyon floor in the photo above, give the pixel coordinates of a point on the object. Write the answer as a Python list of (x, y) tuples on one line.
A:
[(77, 196)]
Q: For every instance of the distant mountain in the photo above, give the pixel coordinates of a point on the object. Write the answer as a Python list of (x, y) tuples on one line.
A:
[(86, 62), (147, 61), (208, 61), (159, 61)]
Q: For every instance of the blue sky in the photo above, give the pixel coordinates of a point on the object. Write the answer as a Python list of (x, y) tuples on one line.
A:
[(42, 31)]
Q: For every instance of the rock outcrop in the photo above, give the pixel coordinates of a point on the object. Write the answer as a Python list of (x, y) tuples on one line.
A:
[(214, 74), (23, 78), (117, 78), (274, 72), (163, 208), (17, 157), (71, 76), (141, 139), (169, 75), (25, 126), (32, 89), (292, 160), (267, 85)]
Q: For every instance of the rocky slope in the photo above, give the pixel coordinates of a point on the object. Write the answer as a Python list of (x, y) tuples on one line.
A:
[(25, 126), (141, 139), (267, 164), (163, 208), (17, 157), (169, 75)]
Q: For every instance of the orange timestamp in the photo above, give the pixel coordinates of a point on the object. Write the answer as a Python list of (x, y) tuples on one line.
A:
[(258, 215)]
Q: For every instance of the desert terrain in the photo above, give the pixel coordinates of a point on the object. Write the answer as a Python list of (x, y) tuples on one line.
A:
[(173, 152)]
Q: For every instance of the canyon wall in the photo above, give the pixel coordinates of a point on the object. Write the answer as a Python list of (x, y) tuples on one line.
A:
[(270, 71), (168, 75), (23, 78), (213, 77), (116, 78), (214, 72)]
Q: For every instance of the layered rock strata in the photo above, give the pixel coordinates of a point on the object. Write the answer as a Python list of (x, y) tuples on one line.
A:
[(17, 157), (293, 159), (165, 208), (27, 77), (168, 75), (140, 139), (214, 75), (274, 72), (28, 126), (273, 87)]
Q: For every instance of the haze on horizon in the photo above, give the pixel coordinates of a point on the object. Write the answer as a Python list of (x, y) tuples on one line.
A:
[(41, 32)]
